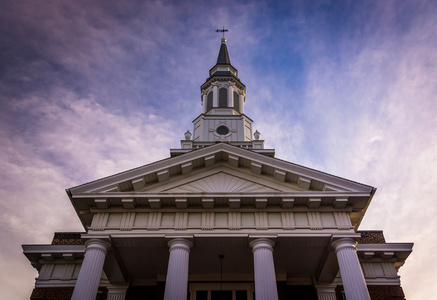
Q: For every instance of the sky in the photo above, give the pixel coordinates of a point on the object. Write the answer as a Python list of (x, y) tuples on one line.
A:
[(92, 88)]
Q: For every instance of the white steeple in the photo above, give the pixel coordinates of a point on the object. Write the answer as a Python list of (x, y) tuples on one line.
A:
[(222, 118)]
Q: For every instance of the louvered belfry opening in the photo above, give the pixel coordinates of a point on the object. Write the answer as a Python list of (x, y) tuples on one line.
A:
[(236, 101), (223, 97), (209, 101)]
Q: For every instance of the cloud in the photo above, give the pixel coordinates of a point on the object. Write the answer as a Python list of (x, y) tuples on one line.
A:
[(373, 116), (92, 89), (71, 141)]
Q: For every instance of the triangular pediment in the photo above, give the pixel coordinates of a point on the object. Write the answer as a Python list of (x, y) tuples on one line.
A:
[(221, 180), (252, 165), (220, 171), (221, 183)]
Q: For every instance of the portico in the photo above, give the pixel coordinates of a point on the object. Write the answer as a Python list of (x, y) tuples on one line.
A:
[(189, 260)]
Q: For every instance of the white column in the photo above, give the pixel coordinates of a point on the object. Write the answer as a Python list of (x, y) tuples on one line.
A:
[(265, 277), (241, 102), (116, 292), (88, 280), (204, 102), (176, 284), (351, 274), (215, 95), (326, 291), (230, 94)]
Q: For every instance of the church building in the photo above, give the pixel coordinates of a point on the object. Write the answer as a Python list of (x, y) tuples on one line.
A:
[(221, 218)]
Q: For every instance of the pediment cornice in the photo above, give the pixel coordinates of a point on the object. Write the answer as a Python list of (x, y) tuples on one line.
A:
[(221, 173), (259, 165)]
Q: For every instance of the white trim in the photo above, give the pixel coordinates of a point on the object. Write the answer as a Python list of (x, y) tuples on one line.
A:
[(249, 287)]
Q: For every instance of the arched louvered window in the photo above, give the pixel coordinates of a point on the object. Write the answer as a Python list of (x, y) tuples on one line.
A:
[(209, 102), (236, 101), (223, 97)]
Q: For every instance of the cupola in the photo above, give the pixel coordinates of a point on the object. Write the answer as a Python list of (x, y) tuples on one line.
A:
[(223, 88), (222, 119)]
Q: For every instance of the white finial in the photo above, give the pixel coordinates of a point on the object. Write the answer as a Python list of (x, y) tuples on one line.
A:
[(223, 40), (188, 135), (257, 135)]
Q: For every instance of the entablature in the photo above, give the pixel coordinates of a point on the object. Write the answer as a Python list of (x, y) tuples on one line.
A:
[(339, 200), (396, 253), (221, 175), (247, 221), (225, 78), (39, 255)]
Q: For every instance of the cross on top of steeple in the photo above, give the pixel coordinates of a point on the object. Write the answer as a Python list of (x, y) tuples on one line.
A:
[(222, 30)]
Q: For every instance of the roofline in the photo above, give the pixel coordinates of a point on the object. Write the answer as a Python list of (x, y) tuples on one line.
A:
[(70, 196), (223, 147), (372, 193), (221, 116), (223, 65), (210, 78)]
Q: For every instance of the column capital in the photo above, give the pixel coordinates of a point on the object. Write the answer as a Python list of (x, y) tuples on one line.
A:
[(344, 243), (326, 291), (180, 244), (97, 244), (117, 292), (325, 287), (260, 243)]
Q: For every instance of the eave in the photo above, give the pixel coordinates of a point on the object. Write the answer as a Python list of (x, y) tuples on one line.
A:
[(318, 188)]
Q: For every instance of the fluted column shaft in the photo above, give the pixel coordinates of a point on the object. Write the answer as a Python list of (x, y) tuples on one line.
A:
[(265, 277), (176, 284), (116, 292), (88, 280), (350, 269), (326, 292)]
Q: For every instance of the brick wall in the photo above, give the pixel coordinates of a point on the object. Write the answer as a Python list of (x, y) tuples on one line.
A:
[(61, 293), (67, 238), (378, 292), (371, 237)]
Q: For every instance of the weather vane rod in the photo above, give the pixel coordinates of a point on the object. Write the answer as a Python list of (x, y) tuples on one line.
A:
[(222, 30)]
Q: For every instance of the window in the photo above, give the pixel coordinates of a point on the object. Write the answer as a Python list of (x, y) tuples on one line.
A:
[(209, 102), (225, 291), (222, 130), (223, 97), (221, 295), (236, 101)]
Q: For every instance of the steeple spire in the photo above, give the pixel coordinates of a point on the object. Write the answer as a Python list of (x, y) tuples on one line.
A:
[(223, 57), (222, 118)]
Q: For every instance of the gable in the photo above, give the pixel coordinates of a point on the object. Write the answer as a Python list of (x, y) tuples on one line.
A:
[(221, 183), (232, 156), (220, 180), (221, 171)]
